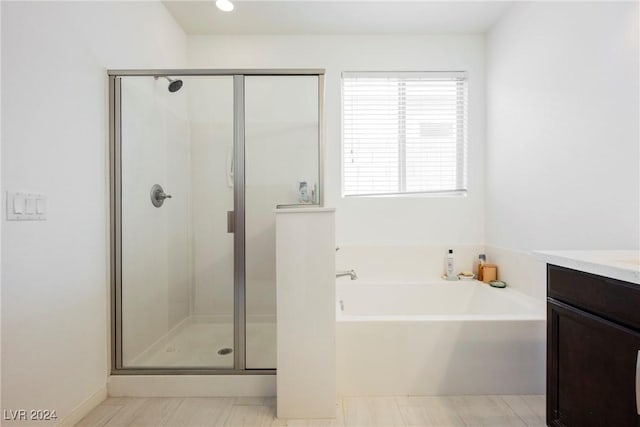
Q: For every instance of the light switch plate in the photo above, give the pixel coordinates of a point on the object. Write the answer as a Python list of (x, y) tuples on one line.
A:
[(30, 206), (41, 206), (17, 205), (23, 206)]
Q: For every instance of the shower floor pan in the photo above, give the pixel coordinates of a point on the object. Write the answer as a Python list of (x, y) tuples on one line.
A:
[(206, 344)]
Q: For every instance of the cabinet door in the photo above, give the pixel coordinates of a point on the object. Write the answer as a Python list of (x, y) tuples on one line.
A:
[(591, 372)]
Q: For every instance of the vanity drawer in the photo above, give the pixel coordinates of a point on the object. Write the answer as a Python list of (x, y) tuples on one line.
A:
[(609, 298)]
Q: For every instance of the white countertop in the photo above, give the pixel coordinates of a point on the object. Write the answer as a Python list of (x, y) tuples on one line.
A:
[(621, 265)]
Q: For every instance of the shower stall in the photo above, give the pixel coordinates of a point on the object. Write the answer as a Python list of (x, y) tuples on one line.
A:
[(199, 161)]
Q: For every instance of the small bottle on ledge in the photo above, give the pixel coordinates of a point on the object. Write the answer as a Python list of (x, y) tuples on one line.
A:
[(482, 259)]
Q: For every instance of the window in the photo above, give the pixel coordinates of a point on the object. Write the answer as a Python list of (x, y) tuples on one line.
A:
[(404, 133)]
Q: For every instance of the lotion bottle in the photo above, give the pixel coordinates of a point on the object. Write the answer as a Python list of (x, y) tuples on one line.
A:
[(303, 192), (451, 270)]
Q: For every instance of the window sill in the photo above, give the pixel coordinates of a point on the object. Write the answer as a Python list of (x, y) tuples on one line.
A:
[(444, 194)]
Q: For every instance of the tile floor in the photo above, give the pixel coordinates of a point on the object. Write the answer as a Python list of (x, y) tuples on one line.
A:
[(446, 411)]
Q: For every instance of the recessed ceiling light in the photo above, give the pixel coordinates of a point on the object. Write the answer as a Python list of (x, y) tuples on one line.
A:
[(224, 5)]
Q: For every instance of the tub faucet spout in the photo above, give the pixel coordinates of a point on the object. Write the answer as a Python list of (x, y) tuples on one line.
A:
[(351, 273)]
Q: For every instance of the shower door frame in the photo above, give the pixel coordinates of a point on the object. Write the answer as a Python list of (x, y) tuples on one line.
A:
[(239, 244)]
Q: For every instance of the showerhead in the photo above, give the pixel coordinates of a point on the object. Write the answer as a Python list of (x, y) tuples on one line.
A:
[(174, 85)]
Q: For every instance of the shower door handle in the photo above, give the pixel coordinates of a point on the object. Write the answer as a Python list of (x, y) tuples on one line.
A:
[(231, 222)]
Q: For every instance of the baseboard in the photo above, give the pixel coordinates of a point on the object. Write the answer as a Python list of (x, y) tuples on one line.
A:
[(84, 408)]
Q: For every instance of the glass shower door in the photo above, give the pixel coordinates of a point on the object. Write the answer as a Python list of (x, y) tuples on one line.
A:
[(281, 151), (176, 186)]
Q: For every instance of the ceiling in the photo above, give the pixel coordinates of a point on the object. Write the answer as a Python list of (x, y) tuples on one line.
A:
[(337, 17)]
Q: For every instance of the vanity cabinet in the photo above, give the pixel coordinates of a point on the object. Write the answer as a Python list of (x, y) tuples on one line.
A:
[(593, 350)]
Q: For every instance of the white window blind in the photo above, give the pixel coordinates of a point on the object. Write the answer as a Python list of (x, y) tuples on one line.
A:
[(404, 132)]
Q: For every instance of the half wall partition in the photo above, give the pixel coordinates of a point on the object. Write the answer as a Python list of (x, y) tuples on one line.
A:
[(199, 161)]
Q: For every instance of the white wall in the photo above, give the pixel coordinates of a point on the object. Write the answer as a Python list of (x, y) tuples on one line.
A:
[(563, 166), (54, 141), (374, 221)]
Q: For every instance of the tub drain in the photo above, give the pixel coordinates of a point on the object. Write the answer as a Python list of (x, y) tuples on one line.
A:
[(224, 351)]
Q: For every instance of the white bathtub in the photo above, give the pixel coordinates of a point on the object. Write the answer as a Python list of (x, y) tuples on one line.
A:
[(438, 338)]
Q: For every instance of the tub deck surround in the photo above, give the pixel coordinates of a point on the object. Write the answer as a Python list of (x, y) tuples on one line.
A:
[(438, 338), (622, 265), (305, 290)]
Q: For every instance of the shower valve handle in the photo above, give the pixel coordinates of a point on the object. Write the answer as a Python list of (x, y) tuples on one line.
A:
[(158, 195)]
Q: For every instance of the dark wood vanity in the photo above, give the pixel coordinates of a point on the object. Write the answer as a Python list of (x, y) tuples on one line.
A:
[(593, 350)]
